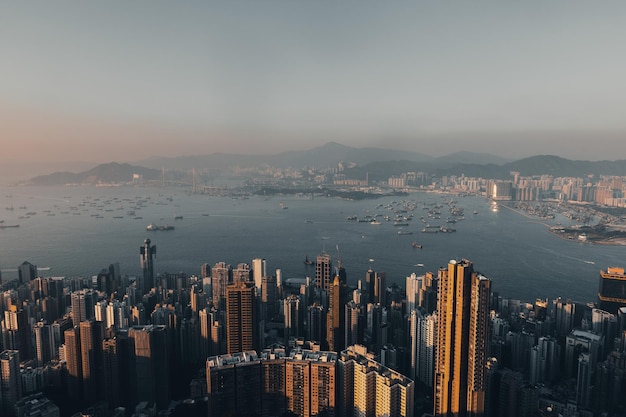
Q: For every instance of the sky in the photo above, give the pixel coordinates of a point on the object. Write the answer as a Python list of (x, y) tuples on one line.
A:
[(127, 80)]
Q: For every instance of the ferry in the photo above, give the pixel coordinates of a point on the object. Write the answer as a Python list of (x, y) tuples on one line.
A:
[(153, 227)]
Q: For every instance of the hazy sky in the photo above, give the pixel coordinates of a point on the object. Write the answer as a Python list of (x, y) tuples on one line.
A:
[(124, 80)]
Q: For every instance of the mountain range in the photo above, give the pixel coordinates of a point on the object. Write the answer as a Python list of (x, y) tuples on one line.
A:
[(376, 162)]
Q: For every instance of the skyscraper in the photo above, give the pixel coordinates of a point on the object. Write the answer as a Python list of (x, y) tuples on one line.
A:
[(10, 381), (73, 360), (240, 318), (147, 279), (612, 289), (150, 360), (221, 277), (26, 272), (367, 388), (258, 271), (333, 319), (83, 305), (462, 341), (323, 271)]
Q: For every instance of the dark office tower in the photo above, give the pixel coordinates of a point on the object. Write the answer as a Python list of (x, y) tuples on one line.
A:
[(316, 320), (221, 277), (240, 320), (10, 382), (205, 270), (151, 364), (243, 273), (26, 272), (370, 278), (74, 366), (109, 279), (190, 341), (353, 324), (291, 312), (44, 343), (90, 354), (462, 341), (269, 298), (323, 272), (612, 289), (146, 260), (380, 288), (111, 369), (565, 316)]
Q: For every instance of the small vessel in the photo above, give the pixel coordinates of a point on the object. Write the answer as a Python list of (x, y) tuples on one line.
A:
[(153, 227), (6, 226), (404, 232), (307, 261), (178, 217), (415, 245)]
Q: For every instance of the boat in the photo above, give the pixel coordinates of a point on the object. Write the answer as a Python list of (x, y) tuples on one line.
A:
[(404, 232), (178, 217), (6, 226), (415, 245), (307, 261), (153, 227), (430, 230), (374, 222)]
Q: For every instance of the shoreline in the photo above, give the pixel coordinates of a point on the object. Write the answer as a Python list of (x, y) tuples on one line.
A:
[(619, 241)]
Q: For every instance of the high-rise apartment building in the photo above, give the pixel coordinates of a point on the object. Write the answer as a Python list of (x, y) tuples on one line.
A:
[(422, 344), (367, 388), (83, 305), (462, 341), (240, 318), (242, 273), (10, 382), (333, 318), (221, 277), (44, 343), (147, 253), (150, 361), (272, 383), (74, 366)]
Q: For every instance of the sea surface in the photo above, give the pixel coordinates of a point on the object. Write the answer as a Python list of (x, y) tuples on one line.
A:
[(77, 231)]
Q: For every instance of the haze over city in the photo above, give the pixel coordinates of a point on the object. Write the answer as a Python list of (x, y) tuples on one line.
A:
[(125, 81)]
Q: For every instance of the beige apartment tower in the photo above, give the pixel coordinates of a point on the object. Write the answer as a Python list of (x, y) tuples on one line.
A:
[(462, 341)]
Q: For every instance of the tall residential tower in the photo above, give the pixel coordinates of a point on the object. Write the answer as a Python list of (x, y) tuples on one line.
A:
[(462, 341)]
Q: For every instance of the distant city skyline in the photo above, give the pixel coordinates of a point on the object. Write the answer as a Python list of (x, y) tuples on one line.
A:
[(121, 81)]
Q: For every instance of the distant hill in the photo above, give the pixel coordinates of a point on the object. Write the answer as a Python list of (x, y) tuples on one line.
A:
[(105, 173), (323, 156), (378, 164), (532, 166)]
